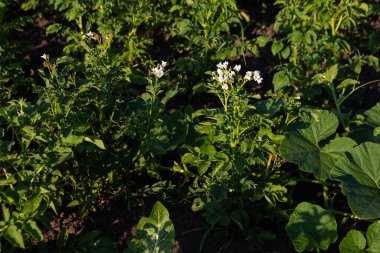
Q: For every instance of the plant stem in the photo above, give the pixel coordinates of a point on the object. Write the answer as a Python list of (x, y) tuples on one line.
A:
[(355, 89), (305, 180), (349, 215), (337, 106), (325, 194)]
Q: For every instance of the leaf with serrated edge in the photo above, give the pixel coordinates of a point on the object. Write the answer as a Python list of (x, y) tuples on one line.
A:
[(359, 172)]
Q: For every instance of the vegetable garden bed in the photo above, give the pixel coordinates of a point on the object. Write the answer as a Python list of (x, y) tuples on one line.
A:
[(189, 126)]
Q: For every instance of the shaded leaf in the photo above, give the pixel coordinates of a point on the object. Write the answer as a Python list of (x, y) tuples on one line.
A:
[(280, 80), (373, 115), (310, 227), (32, 229), (14, 236), (302, 144), (359, 172)]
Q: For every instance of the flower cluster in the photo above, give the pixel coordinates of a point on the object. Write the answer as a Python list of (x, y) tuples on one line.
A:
[(255, 75), (224, 75), (158, 71)]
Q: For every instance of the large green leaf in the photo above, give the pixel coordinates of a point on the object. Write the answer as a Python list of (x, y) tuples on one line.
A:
[(310, 226), (155, 234), (302, 143), (373, 238), (354, 242), (373, 115), (359, 172)]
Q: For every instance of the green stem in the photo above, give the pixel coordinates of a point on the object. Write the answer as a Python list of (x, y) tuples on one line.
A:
[(325, 194), (355, 89), (305, 180), (225, 101), (344, 214), (337, 106)]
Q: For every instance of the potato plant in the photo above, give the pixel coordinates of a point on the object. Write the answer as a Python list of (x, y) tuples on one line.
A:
[(266, 138)]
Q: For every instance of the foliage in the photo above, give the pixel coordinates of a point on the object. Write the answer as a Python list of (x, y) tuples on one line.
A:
[(354, 241), (122, 98), (311, 226), (154, 234)]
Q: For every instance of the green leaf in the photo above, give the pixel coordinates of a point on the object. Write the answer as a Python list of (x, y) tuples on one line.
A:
[(280, 80), (62, 238), (331, 73), (376, 131), (373, 115), (72, 140), (373, 238), (310, 227), (73, 203), (285, 53), (346, 83), (154, 234), (94, 140), (359, 172), (263, 40), (354, 242), (4, 114), (6, 214), (159, 213), (32, 229), (32, 205), (277, 46), (302, 143), (14, 236)]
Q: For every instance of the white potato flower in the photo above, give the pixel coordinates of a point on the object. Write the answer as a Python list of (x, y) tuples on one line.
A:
[(257, 77), (90, 34), (159, 70), (44, 56), (225, 86), (248, 75), (237, 68)]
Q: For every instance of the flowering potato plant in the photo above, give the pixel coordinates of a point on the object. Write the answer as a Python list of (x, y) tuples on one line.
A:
[(107, 107), (232, 153)]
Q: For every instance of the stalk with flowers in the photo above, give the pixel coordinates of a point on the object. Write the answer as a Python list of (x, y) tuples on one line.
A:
[(230, 82), (228, 85)]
